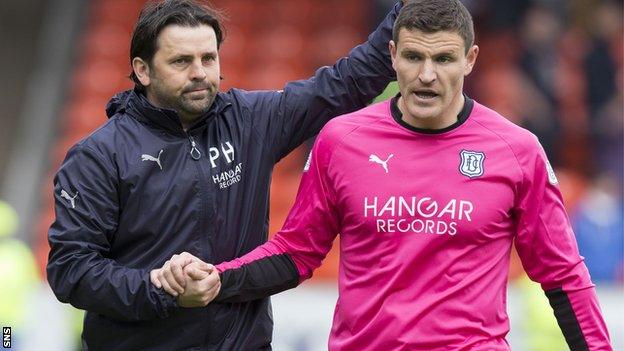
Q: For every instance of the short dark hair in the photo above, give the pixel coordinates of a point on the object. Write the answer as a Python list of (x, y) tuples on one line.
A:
[(156, 15), (431, 16)]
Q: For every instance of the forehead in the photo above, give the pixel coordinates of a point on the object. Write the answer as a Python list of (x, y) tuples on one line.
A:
[(414, 39), (175, 39)]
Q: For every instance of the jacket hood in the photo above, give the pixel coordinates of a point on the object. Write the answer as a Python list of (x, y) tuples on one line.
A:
[(118, 103)]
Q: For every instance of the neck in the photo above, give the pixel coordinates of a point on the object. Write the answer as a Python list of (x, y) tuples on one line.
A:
[(433, 123), (186, 119)]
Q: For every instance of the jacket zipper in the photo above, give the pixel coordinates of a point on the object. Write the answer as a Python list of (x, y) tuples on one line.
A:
[(195, 153), (204, 193)]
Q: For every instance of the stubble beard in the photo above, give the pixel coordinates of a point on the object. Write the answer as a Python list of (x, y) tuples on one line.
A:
[(194, 108), (187, 108)]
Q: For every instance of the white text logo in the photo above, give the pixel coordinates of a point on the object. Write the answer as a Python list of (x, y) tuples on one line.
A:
[(417, 215), (228, 178), (227, 150)]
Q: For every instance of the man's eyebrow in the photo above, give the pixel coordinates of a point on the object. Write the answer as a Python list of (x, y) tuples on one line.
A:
[(446, 53), (177, 55), (410, 51)]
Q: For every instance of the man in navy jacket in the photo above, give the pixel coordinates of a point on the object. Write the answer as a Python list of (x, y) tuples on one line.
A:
[(182, 167)]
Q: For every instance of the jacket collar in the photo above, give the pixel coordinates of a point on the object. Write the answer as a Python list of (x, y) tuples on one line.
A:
[(136, 104)]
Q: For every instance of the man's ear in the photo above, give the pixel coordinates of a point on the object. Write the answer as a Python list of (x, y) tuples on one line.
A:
[(393, 52), (471, 59), (141, 70)]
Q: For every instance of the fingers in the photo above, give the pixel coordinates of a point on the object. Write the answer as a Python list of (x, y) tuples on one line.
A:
[(170, 278), (207, 267), (200, 292), (157, 279), (172, 272), (196, 273), (154, 278), (188, 255), (165, 284), (212, 280), (176, 268), (214, 287), (173, 276), (213, 290), (211, 294)]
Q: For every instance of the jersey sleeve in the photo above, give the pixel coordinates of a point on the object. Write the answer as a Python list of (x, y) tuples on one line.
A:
[(79, 270), (298, 249), (548, 251), (284, 119)]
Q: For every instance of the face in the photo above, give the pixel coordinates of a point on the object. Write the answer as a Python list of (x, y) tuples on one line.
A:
[(430, 71), (184, 73)]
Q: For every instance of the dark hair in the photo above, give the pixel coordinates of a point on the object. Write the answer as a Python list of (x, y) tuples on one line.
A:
[(431, 16), (156, 15)]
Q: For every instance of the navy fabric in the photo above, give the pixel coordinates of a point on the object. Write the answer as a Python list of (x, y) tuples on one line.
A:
[(141, 189)]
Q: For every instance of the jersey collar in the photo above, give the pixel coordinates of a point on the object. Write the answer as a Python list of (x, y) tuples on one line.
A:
[(461, 117)]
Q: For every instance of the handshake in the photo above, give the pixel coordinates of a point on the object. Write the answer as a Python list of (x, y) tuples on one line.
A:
[(193, 282)]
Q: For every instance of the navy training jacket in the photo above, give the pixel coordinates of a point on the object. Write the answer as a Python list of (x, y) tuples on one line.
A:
[(140, 189)]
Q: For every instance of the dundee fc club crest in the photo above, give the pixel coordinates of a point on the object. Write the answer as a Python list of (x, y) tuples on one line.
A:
[(471, 163)]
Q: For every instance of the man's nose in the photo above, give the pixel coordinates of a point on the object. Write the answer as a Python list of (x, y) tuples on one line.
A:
[(197, 71), (427, 74)]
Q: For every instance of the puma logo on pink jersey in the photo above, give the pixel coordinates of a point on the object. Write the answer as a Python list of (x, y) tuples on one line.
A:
[(376, 159)]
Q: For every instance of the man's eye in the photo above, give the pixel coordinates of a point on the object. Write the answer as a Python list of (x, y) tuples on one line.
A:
[(412, 57), (444, 59), (180, 61)]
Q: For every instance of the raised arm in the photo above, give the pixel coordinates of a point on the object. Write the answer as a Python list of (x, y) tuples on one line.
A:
[(549, 254), (285, 119), (78, 270)]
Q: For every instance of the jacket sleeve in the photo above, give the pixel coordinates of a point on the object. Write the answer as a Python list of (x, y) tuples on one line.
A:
[(298, 249), (285, 119), (79, 269), (549, 254)]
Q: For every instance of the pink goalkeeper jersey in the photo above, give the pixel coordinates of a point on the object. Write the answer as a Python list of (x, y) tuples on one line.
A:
[(426, 223)]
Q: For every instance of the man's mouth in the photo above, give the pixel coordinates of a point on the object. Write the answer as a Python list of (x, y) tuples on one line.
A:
[(197, 90), (426, 94)]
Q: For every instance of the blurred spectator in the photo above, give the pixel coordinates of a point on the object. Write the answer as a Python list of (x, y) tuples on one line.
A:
[(607, 138), (18, 276), (598, 226), (540, 32), (600, 66)]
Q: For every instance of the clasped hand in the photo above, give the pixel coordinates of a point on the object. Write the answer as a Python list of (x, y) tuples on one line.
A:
[(193, 282)]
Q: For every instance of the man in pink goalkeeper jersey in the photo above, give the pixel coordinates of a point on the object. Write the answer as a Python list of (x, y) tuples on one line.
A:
[(428, 191)]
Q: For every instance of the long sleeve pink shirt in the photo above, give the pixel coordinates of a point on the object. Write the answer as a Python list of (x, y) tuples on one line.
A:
[(426, 223)]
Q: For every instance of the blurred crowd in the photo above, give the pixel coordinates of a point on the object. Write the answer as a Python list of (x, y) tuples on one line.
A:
[(552, 66), (555, 68)]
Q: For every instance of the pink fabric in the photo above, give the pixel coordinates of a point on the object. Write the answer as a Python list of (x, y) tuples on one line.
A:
[(268, 249), (588, 313), (426, 233)]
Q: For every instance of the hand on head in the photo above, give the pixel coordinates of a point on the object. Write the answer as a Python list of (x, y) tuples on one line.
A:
[(194, 282)]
